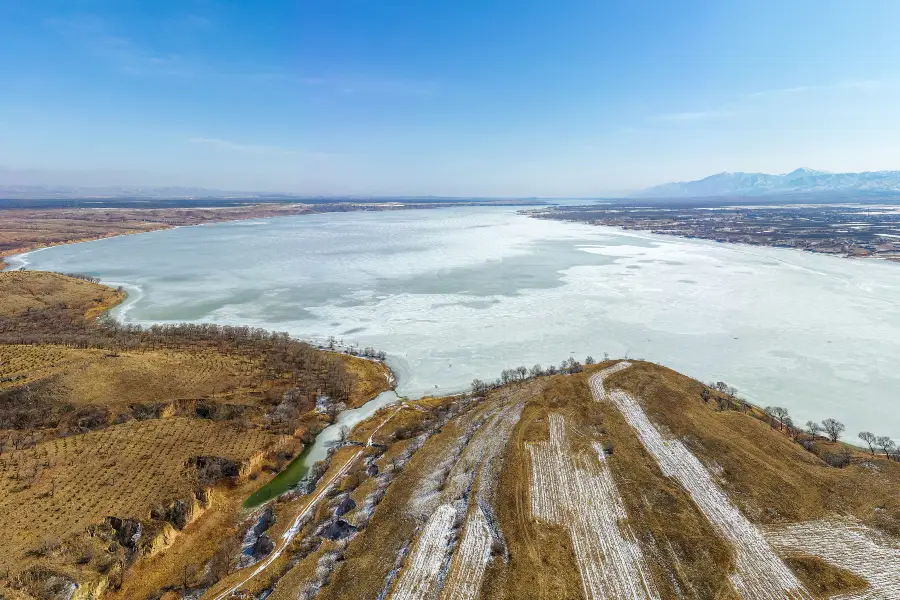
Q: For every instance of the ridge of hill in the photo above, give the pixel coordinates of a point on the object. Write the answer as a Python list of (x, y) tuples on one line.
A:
[(799, 181), (625, 480), (125, 455)]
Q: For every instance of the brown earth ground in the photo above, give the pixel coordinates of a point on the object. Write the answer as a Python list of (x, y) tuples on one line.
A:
[(768, 474), (171, 433)]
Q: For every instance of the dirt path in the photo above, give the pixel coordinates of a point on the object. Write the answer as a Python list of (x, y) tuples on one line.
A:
[(295, 527)]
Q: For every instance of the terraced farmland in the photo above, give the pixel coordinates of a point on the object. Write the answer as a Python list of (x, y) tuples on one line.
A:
[(123, 447), (760, 573), (538, 490), (568, 490), (60, 487), (93, 376)]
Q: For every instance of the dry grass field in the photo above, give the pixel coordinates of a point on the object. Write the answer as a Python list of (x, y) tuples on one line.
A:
[(55, 490), (25, 291), (94, 376), (125, 452), (772, 478), (125, 455), (543, 489)]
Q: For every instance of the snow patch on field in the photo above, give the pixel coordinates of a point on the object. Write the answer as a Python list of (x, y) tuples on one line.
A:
[(481, 454), (437, 564), (573, 493), (761, 574), (600, 390), (421, 576), (463, 582), (849, 545)]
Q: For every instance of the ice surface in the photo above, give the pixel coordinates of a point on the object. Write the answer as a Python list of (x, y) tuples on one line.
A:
[(455, 294)]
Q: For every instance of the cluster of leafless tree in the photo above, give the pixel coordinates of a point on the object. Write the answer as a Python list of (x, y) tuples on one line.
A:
[(336, 345), (887, 445), (82, 277), (309, 372), (368, 352), (568, 366), (831, 429)]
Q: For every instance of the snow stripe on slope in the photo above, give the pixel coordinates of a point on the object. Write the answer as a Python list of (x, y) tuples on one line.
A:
[(421, 576), (761, 574), (463, 582), (849, 545), (574, 494)]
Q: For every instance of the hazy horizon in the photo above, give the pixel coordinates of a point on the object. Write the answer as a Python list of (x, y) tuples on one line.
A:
[(412, 99), (10, 178)]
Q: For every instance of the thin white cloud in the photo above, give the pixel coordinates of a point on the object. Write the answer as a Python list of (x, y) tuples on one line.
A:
[(733, 109), (100, 39), (866, 84), (347, 84), (258, 149), (192, 22), (239, 147), (721, 112), (699, 115), (122, 53)]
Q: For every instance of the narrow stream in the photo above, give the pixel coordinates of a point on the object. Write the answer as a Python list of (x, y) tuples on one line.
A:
[(318, 450)]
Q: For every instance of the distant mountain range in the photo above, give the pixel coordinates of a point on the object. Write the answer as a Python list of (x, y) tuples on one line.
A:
[(801, 181), (74, 191)]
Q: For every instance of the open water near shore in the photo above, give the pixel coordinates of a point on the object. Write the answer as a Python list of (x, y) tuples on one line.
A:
[(455, 294)]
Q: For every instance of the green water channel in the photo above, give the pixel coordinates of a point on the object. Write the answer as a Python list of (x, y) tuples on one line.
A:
[(318, 450)]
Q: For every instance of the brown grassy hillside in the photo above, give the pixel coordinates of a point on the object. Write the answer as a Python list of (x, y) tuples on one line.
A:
[(118, 443), (459, 502), (37, 291)]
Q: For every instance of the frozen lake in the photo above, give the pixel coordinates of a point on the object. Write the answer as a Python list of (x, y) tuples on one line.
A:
[(455, 294)]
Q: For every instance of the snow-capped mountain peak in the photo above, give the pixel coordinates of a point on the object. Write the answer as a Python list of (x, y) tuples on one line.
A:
[(802, 180)]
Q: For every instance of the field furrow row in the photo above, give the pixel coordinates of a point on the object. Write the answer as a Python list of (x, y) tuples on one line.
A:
[(421, 576), (760, 573), (849, 545), (573, 493)]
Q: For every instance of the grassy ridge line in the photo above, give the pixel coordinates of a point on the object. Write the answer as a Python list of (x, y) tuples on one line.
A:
[(773, 480)]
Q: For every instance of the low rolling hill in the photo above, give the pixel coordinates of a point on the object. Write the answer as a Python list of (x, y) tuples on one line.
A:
[(627, 480)]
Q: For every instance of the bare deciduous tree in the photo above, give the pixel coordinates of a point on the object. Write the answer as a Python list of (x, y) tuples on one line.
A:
[(782, 415), (886, 444), (833, 429), (869, 438)]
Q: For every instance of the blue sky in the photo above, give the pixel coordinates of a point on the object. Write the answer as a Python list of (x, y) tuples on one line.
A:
[(499, 98)]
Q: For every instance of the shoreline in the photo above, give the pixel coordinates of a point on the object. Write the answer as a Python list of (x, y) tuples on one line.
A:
[(147, 220), (16, 253), (546, 215), (393, 374), (744, 247)]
